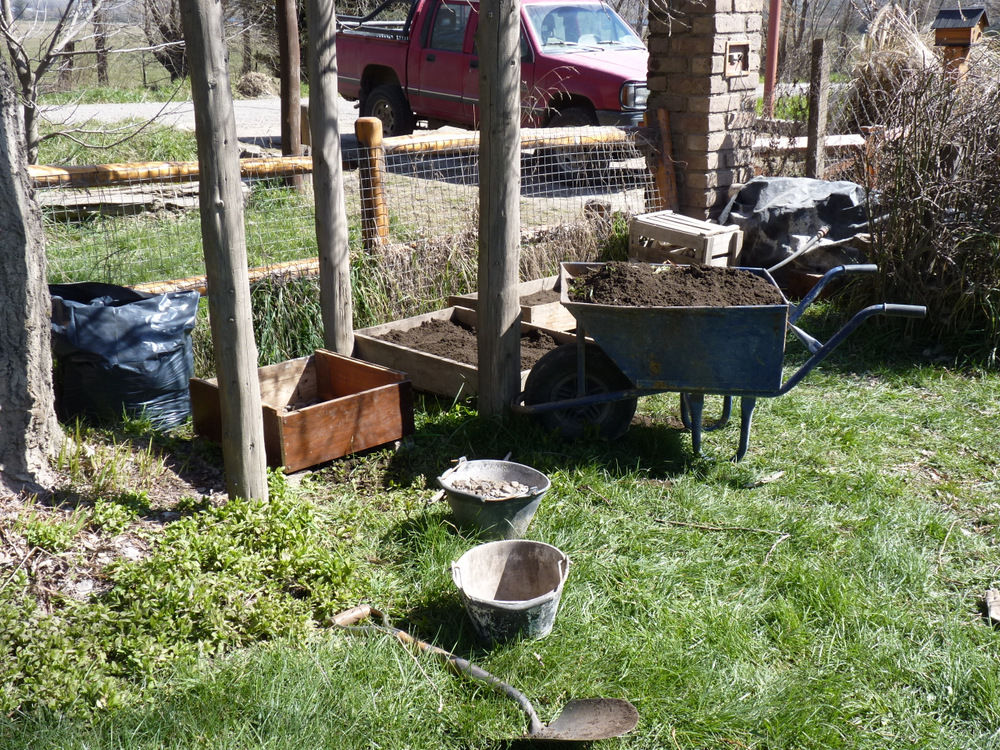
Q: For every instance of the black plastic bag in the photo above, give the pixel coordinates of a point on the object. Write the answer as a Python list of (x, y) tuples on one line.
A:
[(121, 352)]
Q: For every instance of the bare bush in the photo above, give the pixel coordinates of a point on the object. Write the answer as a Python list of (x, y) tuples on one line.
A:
[(933, 168)]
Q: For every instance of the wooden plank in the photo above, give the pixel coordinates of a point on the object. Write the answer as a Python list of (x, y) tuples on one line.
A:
[(543, 314), (287, 383), (428, 372)]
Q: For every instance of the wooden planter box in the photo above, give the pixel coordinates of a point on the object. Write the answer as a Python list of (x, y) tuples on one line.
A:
[(317, 408), (428, 372), (550, 315)]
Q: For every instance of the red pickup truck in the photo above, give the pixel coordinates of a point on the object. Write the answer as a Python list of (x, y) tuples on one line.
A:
[(581, 64)]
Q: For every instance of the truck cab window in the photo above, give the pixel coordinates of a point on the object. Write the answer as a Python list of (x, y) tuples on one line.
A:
[(448, 31)]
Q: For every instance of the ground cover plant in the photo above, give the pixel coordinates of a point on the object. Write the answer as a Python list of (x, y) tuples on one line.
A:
[(824, 592)]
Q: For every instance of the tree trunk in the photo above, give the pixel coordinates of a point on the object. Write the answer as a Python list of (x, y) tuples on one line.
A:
[(29, 432), (328, 180), (224, 238), (290, 75), (499, 316), (100, 43)]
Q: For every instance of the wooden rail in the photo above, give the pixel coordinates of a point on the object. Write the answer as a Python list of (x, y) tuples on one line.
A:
[(164, 171)]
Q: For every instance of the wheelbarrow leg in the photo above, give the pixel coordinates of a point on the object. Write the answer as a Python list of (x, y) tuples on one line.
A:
[(747, 405), (693, 404), (723, 420)]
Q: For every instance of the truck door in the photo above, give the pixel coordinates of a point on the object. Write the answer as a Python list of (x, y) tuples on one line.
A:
[(529, 97), (440, 64)]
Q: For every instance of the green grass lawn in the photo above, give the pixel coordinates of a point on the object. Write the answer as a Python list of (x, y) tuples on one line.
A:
[(823, 593)]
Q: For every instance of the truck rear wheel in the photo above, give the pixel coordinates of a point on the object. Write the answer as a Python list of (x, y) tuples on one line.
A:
[(388, 103)]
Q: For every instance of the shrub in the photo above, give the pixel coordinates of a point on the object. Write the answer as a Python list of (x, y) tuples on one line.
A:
[(933, 166)]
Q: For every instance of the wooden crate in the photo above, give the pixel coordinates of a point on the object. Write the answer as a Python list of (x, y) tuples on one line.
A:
[(664, 236), (428, 372), (550, 315), (317, 408)]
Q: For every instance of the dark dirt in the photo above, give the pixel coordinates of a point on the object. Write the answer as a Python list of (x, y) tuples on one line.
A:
[(540, 298), (643, 285), (451, 339)]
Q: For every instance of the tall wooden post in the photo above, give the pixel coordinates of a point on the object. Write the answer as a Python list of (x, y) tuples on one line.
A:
[(290, 77), (224, 239), (328, 180), (499, 314), (819, 92)]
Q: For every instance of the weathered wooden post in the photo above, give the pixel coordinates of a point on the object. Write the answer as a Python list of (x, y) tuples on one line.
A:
[(224, 239), (819, 92), (328, 180), (374, 210), (499, 314), (290, 76)]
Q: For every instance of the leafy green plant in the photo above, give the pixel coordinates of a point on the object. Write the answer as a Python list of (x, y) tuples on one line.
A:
[(50, 534)]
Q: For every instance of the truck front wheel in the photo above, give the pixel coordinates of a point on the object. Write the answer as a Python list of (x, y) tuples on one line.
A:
[(577, 164), (388, 103)]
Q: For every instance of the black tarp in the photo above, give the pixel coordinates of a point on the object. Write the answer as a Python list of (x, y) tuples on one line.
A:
[(779, 215)]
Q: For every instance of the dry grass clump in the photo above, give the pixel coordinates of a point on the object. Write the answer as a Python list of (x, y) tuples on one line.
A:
[(933, 168)]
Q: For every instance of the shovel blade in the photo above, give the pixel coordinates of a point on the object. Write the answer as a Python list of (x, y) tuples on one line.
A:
[(590, 719)]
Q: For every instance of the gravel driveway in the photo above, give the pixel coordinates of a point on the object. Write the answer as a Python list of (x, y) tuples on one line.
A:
[(257, 120)]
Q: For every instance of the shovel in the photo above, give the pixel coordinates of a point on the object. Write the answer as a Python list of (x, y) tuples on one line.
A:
[(580, 720)]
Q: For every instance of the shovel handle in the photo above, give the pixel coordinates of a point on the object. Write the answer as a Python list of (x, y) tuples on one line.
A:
[(352, 616), (348, 619)]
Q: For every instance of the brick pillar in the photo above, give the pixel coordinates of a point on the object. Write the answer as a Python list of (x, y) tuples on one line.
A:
[(703, 70)]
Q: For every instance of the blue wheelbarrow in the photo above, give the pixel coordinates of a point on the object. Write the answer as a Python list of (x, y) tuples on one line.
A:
[(622, 353)]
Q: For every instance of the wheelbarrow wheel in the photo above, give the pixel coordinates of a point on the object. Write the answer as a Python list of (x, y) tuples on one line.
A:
[(553, 379)]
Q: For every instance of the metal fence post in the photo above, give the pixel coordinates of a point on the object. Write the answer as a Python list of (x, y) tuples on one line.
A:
[(374, 211)]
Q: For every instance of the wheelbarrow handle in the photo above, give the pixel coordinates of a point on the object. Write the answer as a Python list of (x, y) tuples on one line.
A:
[(796, 312), (820, 353), (905, 311)]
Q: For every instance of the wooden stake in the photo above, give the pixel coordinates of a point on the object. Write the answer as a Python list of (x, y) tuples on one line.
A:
[(374, 209), (666, 176), (328, 180), (499, 312), (819, 90), (224, 239)]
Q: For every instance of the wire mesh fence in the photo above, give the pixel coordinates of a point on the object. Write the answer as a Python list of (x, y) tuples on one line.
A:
[(141, 226)]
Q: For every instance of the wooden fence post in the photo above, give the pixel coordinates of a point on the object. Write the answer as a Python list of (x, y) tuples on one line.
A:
[(666, 175), (374, 210), (335, 294), (224, 238), (499, 313), (819, 89)]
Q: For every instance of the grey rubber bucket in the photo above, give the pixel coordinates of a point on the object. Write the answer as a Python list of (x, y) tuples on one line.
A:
[(506, 518), (511, 588)]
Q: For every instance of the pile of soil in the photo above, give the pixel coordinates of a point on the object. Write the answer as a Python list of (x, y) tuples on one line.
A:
[(453, 340), (543, 297), (643, 285)]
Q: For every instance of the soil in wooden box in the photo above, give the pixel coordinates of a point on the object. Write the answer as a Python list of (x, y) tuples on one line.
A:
[(455, 340), (640, 285)]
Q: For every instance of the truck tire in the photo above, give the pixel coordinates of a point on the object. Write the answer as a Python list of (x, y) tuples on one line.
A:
[(575, 166), (388, 103)]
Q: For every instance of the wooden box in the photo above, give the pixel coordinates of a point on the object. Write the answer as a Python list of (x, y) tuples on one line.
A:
[(317, 408), (664, 236), (428, 372), (545, 314)]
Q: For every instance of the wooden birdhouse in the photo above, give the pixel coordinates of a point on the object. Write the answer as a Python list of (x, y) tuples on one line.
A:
[(956, 30)]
